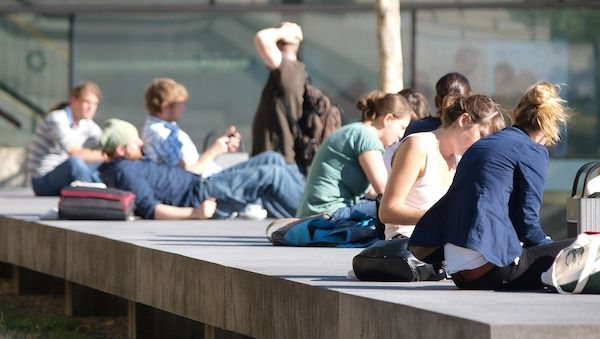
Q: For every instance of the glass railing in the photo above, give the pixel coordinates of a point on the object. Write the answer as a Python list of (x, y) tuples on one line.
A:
[(34, 71)]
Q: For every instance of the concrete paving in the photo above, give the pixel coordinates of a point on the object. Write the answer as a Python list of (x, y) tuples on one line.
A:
[(305, 284)]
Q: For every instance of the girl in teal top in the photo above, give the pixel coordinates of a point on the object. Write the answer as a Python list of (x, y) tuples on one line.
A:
[(348, 167)]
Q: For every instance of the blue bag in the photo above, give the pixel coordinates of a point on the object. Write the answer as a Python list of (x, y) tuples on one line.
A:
[(357, 231)]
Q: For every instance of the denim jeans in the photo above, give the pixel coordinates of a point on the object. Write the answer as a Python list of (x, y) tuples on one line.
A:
[(365, 206), (265, 179), (51, 183)]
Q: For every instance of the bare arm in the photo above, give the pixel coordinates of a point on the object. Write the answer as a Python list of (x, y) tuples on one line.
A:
[(407, 167), (372, 164), (228, 142), (167, 212), (87, 155), (265, 42)]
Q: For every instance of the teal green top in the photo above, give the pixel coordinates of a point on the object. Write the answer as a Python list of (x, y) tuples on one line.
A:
[(335, 178)]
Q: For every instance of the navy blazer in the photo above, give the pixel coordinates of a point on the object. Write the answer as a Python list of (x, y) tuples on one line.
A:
[(494, 201)]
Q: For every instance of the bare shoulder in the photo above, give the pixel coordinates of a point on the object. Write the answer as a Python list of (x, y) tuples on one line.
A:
[(421, 141)]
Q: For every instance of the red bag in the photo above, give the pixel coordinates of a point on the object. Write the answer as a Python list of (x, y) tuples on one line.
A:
[(91, 203)]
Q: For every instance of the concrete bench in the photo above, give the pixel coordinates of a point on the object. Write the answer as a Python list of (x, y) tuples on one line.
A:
[(226, 275)]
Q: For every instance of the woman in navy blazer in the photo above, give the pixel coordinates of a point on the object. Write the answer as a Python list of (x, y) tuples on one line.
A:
[(487, 226)]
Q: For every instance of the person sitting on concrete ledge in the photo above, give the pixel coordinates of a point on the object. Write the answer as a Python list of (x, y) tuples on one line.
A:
[(487, 226), (348, 171), (169, 192), (64, 146), (166, 143)]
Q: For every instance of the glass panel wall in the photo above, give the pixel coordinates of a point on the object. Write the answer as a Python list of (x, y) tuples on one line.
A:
[(34, 59), (213, 55), (502, 52)]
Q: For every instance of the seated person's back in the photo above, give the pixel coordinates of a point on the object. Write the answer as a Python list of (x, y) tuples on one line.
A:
[(351, 159)]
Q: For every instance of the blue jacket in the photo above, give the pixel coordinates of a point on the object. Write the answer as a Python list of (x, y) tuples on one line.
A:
[(427, 124), (153, 184), (494, 201)]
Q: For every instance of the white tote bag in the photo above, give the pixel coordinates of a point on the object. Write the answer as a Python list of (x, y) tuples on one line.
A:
[(576, 268)]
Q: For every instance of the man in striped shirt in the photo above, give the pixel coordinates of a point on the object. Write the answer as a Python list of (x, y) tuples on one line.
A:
[(65, 144)]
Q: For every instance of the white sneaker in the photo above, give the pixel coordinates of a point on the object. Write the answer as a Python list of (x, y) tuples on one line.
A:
[(253, 212), (51, 214)]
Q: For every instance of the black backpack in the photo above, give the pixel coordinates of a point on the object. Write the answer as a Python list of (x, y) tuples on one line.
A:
[(319, 120)]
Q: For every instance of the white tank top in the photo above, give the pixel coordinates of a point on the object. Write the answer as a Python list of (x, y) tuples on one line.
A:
[(426, 191)]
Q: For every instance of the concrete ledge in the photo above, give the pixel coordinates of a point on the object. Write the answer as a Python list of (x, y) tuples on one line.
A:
[(183, 286), (33, 246), (13, 172), (226, 275), (102, 264)]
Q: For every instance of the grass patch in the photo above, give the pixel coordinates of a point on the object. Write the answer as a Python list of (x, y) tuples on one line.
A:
[(17, 323)]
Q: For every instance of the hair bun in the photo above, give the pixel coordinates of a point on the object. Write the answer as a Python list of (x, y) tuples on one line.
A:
[(542, 94), (450, 100), (367, 101)]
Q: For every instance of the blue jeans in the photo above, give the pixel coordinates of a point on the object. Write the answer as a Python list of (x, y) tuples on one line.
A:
[(365, 206), (51, 183), (265, 179)]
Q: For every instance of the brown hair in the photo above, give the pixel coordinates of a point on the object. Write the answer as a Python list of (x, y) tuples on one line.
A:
[(163, 92), (542, 109), (417, 101), (85, 86), (450, 84), (482, 110), (377, 104)]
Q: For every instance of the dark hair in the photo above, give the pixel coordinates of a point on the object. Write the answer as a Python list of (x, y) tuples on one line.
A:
[(376, 104), (451, 83), (417, 101), (542, 109), (482, 110)]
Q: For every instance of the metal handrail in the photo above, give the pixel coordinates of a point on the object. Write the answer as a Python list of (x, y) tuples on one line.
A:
[(10, 118), (22, 99), (215, 7)]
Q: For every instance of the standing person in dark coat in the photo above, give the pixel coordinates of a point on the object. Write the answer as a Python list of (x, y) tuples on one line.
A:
[(282, 96)]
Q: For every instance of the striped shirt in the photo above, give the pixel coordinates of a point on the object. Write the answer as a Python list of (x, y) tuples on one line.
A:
[(54, 136), (166, 143)]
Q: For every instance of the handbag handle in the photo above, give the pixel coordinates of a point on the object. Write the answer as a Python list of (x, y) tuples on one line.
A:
[(555, 282), (587, 169), (593, 247)]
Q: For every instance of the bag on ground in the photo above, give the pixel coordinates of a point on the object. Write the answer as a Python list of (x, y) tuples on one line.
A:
[(576, 268), (321, 231), (92, 203), (390, 260)]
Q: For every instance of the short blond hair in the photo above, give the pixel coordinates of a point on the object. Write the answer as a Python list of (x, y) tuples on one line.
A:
[(542, 109), (163, 92)]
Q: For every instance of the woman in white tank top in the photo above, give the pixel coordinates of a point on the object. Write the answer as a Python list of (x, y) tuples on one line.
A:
[(424, 164)]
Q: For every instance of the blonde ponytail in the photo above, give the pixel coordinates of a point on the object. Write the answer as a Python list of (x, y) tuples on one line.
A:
[(542, 109)]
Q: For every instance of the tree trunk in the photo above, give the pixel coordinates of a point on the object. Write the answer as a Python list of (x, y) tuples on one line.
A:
[(390, 45)]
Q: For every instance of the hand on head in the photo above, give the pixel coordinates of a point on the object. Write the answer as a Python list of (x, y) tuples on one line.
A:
[(292, 32)]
